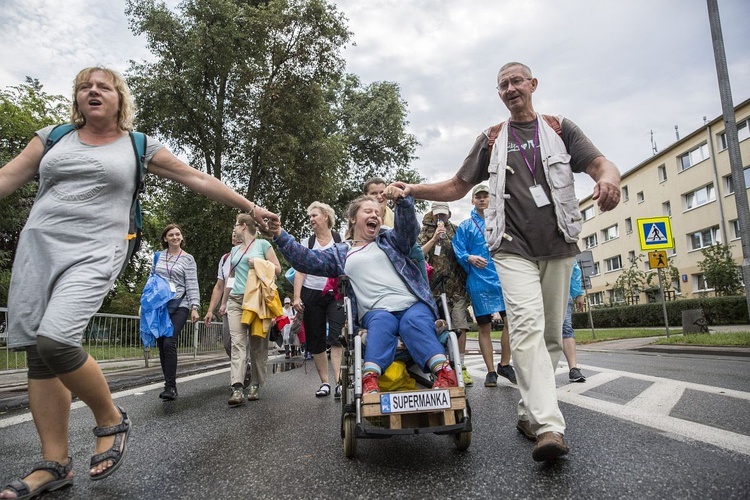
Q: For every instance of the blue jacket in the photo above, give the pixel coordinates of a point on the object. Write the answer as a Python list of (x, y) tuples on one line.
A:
[(396, 243), (483, 285), (576, 288)]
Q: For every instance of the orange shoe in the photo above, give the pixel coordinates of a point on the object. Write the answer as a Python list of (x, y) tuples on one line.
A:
[(370, 383), (445, 377)]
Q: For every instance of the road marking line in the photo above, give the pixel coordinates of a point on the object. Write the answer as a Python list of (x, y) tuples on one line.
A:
[(698, 432), (658, 398), (26, 417)]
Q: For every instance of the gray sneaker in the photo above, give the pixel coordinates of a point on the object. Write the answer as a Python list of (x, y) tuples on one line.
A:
[(252, 393), (490, 380), (238, 398), (575, 375), (508, 372)]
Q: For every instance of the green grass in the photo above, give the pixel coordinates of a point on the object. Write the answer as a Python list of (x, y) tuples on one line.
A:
[(733, 339)]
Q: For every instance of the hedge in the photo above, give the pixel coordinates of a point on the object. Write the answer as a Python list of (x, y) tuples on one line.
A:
[(717, 311)]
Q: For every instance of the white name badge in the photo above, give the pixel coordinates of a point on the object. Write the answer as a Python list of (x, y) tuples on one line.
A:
[(540, 198), (429, 400), (230, 282), (172, 288), (438, 249)]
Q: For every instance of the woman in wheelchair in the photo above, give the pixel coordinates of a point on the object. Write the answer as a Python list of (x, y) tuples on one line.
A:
[(388, 293)]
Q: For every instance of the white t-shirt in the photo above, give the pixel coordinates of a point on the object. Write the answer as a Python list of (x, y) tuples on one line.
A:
[(224, 267), (316, 282), (375, 281)]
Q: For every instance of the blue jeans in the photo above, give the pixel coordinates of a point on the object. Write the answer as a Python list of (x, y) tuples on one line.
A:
[(567, 329), (415, 325)]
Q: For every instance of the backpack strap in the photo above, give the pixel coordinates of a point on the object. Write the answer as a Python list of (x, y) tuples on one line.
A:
[(553, 122), (56, 134), (156, 259), (311, 240), (494, 130)]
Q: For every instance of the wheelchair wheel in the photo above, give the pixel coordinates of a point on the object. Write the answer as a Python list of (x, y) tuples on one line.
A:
[(350, 441), (462, 440)]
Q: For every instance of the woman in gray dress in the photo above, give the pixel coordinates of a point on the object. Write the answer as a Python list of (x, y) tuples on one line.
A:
[(69, 254)]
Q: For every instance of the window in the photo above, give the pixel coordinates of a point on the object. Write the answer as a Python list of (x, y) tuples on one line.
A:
[(596, 299), (699, 197), (613, 263), (625, 195), (666, 209), (587, 213), (693, 156), (631, 256), (729, 183), (735, 229), (628, 225), (616, 295), (662, 172), (597, 269), (704, 238), (699, 283), (743, 132), (590, 241), (640, 197), (609, 233)]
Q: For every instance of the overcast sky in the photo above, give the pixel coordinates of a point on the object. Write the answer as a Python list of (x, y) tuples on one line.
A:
[(619, 69)]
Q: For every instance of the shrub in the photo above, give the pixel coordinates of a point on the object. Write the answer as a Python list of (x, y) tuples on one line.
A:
[(717, 311)]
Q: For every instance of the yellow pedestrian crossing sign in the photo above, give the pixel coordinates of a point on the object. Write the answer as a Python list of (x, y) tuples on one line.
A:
[(655, 233)]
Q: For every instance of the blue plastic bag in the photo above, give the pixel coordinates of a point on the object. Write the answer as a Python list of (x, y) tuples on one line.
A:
[(155, 321)]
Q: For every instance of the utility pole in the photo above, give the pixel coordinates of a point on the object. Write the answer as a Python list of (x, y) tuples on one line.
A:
[(733, 145)]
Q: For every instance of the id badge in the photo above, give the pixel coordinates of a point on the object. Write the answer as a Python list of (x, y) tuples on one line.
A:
[(172, 288), (438, 249), (540, 197), (230, 282)]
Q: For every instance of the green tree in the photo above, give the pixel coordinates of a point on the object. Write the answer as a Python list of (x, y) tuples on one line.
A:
[(631, 281), (24, 109), (255, 94), (721, 272)]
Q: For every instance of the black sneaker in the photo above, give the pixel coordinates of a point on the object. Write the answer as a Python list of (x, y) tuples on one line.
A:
[(508, 372), (169, 394), (575, 375), (337, 392), (490, 380)]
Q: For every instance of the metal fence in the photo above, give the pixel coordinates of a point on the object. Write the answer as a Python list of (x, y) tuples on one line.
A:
[(110, 337)]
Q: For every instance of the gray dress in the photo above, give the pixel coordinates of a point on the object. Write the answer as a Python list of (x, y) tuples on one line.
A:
[(73, 245)]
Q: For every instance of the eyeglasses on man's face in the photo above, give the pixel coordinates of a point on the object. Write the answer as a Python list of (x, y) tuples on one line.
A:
[(516, 81)]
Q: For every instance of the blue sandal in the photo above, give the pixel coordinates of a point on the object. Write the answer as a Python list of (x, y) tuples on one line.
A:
[(117, 452), (60, 479)]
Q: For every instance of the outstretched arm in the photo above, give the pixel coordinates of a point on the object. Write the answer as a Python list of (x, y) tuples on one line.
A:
[(22, 168), (453, 189), (165, 164)]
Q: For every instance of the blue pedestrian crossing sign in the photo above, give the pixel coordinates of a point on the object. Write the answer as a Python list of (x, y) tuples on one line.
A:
[(655, 233)]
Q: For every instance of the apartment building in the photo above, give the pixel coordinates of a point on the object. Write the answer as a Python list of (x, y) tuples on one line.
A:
[(690, 181)]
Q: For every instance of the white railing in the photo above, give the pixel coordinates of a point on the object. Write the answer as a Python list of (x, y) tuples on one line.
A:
[(111, 337)]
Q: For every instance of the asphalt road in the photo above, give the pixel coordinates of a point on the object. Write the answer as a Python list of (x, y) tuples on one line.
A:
[(643, 425)]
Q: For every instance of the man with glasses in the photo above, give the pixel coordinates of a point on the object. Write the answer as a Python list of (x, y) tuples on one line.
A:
[(532, 229)]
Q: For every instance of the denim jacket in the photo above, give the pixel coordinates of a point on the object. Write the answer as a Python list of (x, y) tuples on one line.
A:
[(396, 243)]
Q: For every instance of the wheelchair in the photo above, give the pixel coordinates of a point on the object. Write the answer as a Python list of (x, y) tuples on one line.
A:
[(387, 414)]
